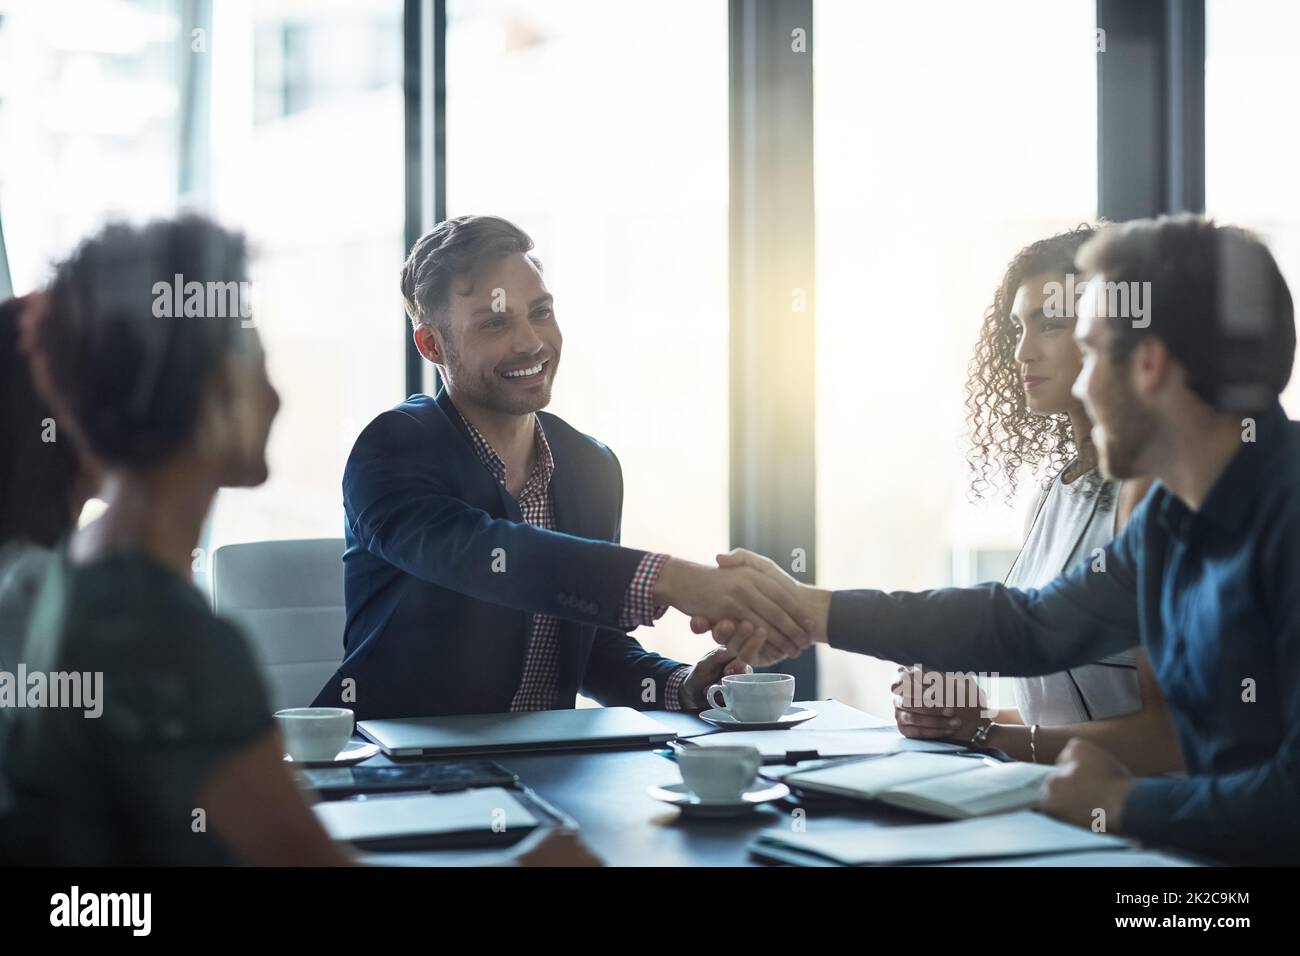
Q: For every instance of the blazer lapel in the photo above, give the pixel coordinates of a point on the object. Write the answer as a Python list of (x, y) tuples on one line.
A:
[(571, 517), (508, 503)]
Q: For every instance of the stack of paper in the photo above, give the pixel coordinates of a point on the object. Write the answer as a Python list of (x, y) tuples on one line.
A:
[(1026, 833)]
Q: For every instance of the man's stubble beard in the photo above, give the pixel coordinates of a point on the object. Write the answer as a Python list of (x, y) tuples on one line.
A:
[(489, 392), (1128, 436)]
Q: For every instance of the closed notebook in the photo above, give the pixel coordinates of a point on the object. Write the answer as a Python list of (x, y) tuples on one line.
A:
[(937, 784), (1026, 833), (487, 815)]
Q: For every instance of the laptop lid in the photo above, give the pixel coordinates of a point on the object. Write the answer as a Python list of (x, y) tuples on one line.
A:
[(534, 730)]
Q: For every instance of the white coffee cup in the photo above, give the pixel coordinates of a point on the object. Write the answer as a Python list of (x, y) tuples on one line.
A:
[(718, 773), (753, 697), (315, 733)]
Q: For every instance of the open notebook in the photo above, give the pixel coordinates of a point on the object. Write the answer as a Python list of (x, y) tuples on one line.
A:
[(938, 784), (1022, 834)]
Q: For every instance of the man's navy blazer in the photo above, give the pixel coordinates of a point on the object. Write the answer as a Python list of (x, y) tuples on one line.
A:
[(442, 576)]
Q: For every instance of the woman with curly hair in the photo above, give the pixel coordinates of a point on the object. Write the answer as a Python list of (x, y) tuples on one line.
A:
[(1023, 415)]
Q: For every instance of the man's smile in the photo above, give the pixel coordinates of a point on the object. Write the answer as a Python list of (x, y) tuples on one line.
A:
[(528, 374)]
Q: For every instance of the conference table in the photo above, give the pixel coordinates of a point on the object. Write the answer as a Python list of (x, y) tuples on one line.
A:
[(604, 792)]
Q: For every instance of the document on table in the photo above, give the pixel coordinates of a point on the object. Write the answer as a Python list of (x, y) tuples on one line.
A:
[(1088, 858), (781, 744), (831, 715), (1025, 833)]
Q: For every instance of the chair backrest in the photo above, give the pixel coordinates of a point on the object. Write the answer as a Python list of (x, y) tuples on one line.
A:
[(288, 598)]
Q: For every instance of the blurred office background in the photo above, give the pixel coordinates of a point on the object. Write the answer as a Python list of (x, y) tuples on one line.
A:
[(939, 137)]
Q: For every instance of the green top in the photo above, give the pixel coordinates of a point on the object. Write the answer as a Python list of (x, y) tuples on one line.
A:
[(179, 694)]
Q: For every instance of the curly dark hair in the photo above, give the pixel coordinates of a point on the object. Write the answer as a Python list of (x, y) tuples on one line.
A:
[(134, 380), (38, 478), (1005, 435)]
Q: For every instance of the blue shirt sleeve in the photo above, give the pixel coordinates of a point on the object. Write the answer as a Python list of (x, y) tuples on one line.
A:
[(1252, 813), (1083, 615)]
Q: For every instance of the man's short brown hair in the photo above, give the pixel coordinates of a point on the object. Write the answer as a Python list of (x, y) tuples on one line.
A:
[(452, 251), (1217, 301)]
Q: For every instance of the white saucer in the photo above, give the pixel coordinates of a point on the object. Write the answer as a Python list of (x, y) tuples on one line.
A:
[(720, 718), (759, 792), (353, 753)]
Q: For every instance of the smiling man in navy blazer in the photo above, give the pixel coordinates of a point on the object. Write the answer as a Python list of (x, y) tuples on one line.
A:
[(482, 572)]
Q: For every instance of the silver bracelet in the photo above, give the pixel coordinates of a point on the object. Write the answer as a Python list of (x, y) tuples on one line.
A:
[(1033, 743)]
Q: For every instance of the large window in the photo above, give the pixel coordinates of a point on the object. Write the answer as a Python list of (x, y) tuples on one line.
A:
[(1252, 147), (601, 129), (948, 135), (89, 122), (283, 118), (91, 114), (305, 145)]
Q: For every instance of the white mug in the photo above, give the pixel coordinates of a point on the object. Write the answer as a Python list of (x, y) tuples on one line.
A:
[(753, 697), (718, 773), (315, 733)]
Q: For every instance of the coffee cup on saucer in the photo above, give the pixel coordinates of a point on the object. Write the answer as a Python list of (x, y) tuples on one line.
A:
[(719, 773), (753, 698), (315, 733)]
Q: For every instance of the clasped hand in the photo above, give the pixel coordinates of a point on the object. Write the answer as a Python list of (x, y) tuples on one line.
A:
[(753, 608)]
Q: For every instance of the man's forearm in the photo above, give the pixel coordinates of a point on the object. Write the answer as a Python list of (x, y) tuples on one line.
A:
[(619, 672), (1144, 742), (985, 628)]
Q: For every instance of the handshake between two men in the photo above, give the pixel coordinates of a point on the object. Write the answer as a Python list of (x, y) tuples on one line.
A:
[(757, 611)]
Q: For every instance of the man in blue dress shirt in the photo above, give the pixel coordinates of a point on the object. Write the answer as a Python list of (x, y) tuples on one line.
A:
[(1206, 576)]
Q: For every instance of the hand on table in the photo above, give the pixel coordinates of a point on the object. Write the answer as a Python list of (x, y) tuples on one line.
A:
[(1088, 787)]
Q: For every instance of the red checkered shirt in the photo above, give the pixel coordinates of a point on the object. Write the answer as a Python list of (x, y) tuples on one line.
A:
[(539, 685)]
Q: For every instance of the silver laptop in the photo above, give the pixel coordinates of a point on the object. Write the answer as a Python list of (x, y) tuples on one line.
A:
[(495, 733)]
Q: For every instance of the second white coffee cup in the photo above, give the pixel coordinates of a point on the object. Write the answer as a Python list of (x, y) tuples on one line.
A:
[(718, 773)]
